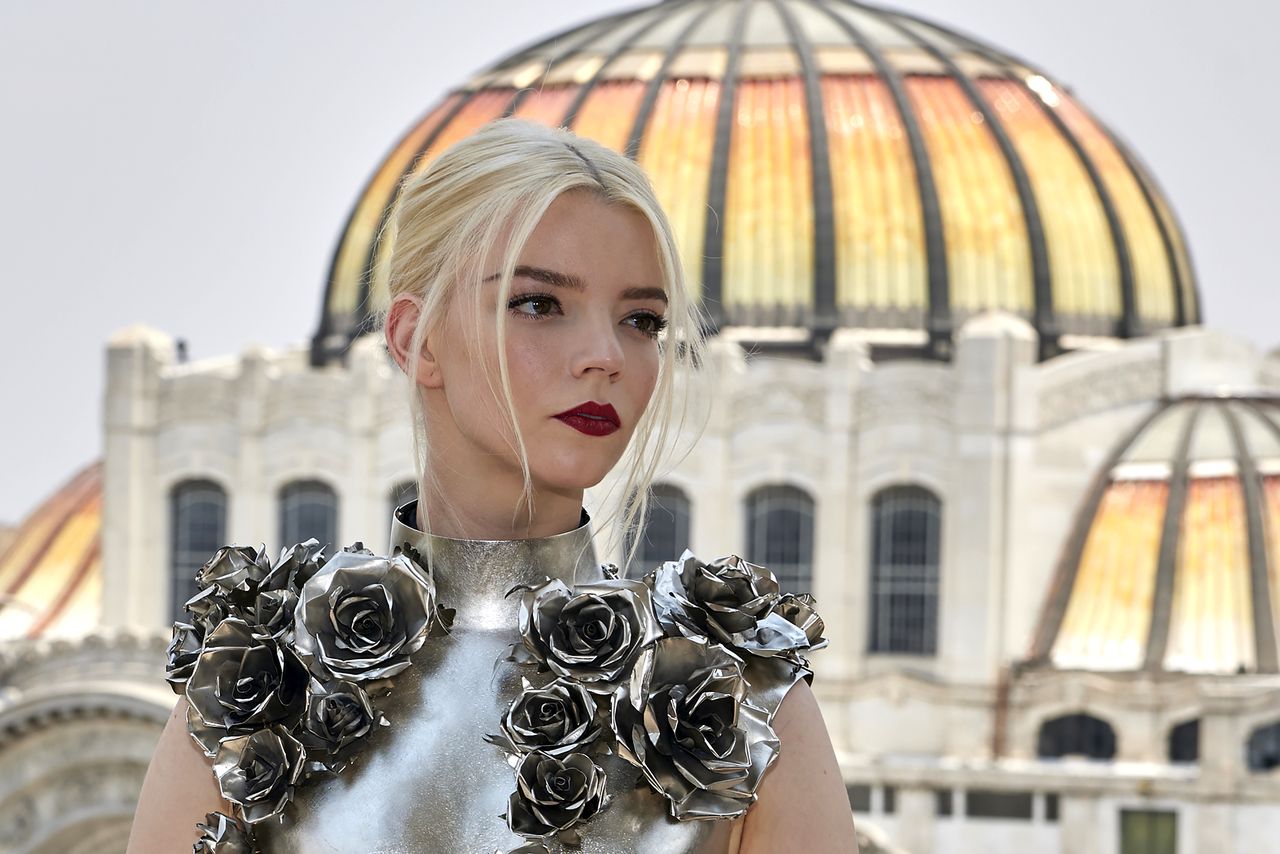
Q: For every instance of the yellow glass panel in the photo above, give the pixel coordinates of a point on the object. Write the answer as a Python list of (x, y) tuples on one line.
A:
[(880, 255), (547, 105), (1082, 258), (42, 591), (609, 111), (1271, 512), (989, 262), (1211, 626), (676, 152), (1109, 613)]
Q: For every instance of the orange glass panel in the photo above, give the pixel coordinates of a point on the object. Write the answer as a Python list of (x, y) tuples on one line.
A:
[(676, 152), (768, 218), (1082, 258), (361, 231), (880, 255), (481, 109), (1153, 281), (609, 111), (988, 258), (1109, 615), (1271, 512), (548, 105), (1211, 626)]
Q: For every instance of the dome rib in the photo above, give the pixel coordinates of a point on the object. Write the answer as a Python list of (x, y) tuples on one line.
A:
[(1264, 627), (824, 320), (1042, 285), (654, 87), (935, 247), (718, 188), (1167, 559)]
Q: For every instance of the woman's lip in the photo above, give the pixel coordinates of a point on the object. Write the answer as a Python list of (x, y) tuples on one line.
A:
[(591, 425), (591, 409)]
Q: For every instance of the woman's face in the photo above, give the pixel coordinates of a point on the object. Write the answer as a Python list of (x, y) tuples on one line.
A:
[(582, 318)]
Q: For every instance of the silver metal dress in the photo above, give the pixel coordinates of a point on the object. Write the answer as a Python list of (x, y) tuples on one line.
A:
[(428, 781)]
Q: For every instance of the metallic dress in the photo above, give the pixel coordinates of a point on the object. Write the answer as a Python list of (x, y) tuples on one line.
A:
[(446, 767)]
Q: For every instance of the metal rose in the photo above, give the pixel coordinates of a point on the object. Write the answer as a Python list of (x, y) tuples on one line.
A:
[(338, 715), (361, 616), (222, 834), (242, 681), (183, 652), (729, 600), (557, 719), (295, 566), (683, 718), (235, 568), (270, 612), (592, 633), (798, 609), (553, 794), (208, 608), (258, 772)]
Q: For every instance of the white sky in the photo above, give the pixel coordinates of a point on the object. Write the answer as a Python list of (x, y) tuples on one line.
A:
[(189, 164)]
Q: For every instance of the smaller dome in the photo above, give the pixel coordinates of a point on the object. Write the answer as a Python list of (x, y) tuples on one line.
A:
[(51, 571), (1172, 565)]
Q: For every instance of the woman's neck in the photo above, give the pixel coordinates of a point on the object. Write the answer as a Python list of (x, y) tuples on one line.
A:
[(474, 513)]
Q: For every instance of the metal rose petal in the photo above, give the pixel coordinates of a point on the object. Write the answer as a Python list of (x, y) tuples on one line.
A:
[(238, 568), (684, 718), (208, 608), (800, 611), (591, 633), (361, 616), (223, 834), (295, 566), (242, 681), (557, 719), (258, 772), (183, 652), (553, 793)]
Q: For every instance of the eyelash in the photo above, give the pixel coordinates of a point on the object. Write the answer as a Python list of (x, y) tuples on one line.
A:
[(659, 322)]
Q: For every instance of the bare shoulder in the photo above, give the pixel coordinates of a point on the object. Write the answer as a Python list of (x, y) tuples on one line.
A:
[(802, 804), (178, 791)]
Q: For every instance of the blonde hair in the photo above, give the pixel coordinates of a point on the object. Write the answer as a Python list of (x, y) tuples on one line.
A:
[(496, 185)]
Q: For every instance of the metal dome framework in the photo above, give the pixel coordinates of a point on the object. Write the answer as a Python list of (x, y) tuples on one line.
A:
[(826, 163), (1174, 563)]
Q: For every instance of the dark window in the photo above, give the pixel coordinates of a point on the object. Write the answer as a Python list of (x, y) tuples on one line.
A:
[(1263, 751), (308, 508), (1148, 832), (1076, 735), (780, 535), (890, 800), (987, 803), (664, 531), (906, 524), (859, 797), (943, 799), (1184, 742), (402, 493), (198, 528), (1051, 807)]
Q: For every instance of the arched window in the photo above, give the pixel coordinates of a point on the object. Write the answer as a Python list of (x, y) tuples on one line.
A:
[(308, 508), (906, 525), (197, 529), (402, 493), (1184, 742), (780, 535), (1263, 751), (664, 532), (1076, 735)]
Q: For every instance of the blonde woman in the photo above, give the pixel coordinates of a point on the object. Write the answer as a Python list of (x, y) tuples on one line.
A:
[(487, 685)]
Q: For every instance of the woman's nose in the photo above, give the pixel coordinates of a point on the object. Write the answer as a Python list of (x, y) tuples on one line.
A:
[(598, 348)]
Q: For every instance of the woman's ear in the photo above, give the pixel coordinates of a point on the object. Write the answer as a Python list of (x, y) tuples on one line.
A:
[(402, 319)]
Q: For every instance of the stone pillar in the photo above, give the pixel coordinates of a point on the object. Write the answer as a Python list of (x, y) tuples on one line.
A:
[(1078, 822), (916, 830), (134, 533), (252, 512), (994, 355)]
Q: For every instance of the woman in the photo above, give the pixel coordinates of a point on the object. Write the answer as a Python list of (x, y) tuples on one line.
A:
[(540, 314)]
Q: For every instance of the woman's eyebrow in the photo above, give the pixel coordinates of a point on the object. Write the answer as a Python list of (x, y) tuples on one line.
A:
[(568, 280)]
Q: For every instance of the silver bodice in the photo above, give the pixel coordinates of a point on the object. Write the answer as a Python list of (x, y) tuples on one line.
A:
[(429, 782)]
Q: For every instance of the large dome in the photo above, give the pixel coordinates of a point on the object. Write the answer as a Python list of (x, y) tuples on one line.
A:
[(830, 164)]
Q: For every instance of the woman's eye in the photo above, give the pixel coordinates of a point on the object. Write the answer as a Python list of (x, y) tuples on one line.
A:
[(534, 305), (648, 323)]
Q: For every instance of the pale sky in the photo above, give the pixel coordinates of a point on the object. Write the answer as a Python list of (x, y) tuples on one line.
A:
[(189, 165)]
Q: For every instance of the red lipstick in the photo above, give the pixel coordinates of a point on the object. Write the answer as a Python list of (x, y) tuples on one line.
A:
[(594, 419)]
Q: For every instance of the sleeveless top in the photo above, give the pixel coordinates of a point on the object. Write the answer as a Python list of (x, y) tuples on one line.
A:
[(509, 696)]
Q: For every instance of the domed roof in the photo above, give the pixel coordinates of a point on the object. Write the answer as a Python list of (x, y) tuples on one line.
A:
[(1175, 562), (51, 571), (826, 163)]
